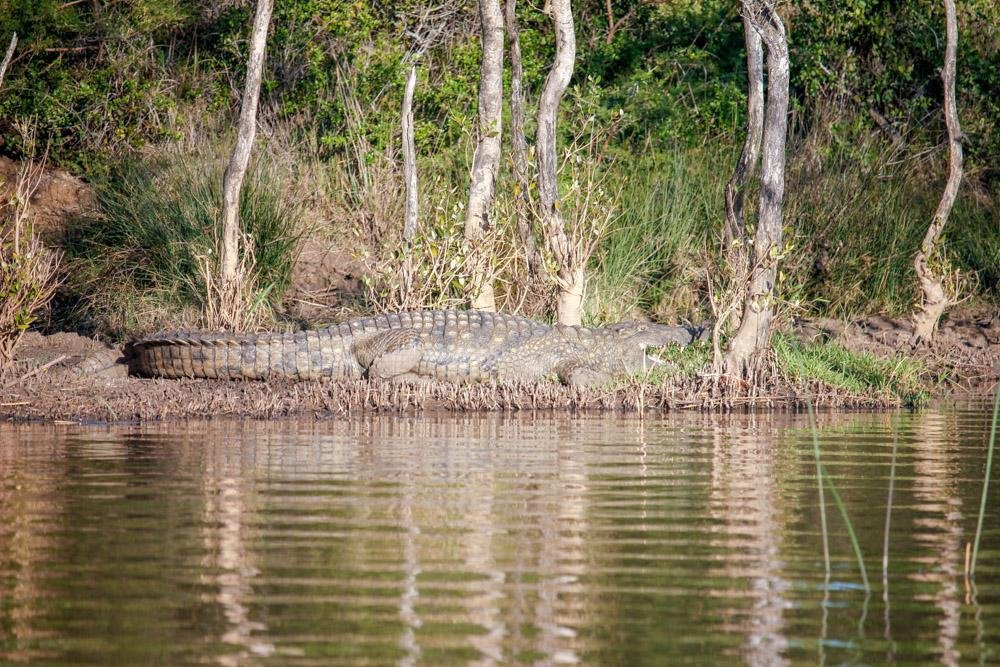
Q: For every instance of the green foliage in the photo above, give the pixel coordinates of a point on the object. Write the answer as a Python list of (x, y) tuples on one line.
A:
[(859, 373), (158, 226)]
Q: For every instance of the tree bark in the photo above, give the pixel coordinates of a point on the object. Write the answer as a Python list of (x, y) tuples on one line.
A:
[(754, 333), (487, 157), (409, 160), (934, 299), (7, 56), (519, 142), (735, 227), (569, 275), (232, 180)]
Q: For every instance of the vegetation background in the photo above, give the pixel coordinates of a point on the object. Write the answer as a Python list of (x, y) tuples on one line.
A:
[(138, 97)]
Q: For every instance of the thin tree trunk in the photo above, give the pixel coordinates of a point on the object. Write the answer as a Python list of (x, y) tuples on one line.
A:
[(754, 333), (519, 143), (934, 300), (734, 231), (569, 275), (409, 160), (232, 180), (7, 56), (487, 157)]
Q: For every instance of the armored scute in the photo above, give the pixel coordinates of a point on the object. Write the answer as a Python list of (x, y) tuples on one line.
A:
[(445, 345)]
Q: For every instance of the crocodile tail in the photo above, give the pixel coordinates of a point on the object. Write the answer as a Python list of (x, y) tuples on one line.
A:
[(307, 355)]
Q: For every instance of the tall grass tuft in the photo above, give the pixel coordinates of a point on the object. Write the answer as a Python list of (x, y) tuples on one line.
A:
[(653, 258), (141, 260)]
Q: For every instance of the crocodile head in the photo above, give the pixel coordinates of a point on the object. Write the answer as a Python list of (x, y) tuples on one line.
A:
[(636, 337)]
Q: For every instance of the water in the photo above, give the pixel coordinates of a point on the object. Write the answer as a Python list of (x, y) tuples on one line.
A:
[(523, 539)]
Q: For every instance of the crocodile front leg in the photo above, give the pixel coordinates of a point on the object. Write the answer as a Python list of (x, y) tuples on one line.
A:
[(581, 374)]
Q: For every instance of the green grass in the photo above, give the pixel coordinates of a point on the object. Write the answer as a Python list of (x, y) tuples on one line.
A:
[(139, 258), (859, 373), (650, 259)]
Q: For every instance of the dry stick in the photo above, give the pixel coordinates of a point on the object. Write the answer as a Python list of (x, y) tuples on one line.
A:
[(36, 371), (934, 300), (7, 57)]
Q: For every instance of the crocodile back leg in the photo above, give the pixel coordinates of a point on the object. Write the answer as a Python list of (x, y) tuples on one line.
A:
[(390, 354)]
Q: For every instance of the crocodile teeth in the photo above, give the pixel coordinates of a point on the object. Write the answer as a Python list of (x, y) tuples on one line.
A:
[(654, 361)]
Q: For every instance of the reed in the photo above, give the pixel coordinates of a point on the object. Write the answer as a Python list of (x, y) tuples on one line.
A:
[(986, 482), (823, 476)]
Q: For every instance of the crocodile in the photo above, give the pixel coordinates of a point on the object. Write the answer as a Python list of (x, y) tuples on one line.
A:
[(448, 345)]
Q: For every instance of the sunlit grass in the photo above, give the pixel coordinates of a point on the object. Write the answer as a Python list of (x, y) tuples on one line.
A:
[(859, 373)]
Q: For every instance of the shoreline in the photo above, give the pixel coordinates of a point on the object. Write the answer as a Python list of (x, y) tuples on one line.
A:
[(56, 398), (964, 363)]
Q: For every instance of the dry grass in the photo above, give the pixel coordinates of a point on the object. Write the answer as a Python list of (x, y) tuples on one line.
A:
[(29, 271)]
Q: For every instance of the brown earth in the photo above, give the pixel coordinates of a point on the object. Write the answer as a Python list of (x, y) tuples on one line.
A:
[(59, 198)]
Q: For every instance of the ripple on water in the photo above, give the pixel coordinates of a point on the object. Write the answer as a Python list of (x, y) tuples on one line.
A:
[(498, 538)]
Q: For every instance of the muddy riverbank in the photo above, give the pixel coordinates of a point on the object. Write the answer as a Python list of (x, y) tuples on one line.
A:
[(964, 361)]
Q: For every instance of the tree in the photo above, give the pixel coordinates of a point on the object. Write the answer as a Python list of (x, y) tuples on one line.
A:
[(519, 143), (486, 162), (734, 231), (569, 260), (934, 299), (229, 308), (754, 333)]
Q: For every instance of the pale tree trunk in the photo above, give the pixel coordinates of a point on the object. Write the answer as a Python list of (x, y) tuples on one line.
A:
[(487, 157), (7, 56), (410, 180), (735, 227), (409, 160), (519, 143), (754, 333), (232, 180), (934, 299), (570, 274)]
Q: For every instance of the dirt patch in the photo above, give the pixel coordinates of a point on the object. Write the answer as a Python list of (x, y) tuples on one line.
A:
[(965, 353), (59, 199), (326, 283)]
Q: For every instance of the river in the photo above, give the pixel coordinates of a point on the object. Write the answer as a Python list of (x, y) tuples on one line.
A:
[(498, 538)]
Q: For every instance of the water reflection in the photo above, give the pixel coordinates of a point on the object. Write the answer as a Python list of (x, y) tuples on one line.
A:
[(491, 539)]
